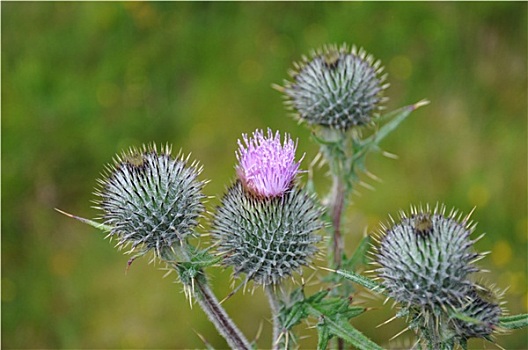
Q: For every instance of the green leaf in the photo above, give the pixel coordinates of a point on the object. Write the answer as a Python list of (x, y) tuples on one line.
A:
[(95, 224), (514, 322), (363, 147), (293, 315), (323, 336), (340, 327), (361, 280), (295, 311), (316, 305), (396, 118), (465, 318), (337, 306)]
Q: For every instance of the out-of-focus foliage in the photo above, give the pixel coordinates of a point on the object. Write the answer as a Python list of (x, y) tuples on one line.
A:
[(83, 81)]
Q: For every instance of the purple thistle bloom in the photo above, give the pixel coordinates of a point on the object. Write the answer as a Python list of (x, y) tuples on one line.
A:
[(266, 167)]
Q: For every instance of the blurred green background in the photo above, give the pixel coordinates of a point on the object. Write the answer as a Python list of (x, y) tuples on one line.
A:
[(83, 81)]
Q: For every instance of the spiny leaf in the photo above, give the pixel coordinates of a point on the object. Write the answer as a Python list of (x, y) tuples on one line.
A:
[(323, 335), (340, 327), (357, 278), (95, 224), (514, 322), (465, 318), (397, 117)]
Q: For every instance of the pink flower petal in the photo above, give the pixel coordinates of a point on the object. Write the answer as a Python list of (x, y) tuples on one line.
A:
[(266, 166)]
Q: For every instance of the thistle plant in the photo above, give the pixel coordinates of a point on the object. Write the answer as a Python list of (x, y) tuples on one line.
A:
[(271, 222)]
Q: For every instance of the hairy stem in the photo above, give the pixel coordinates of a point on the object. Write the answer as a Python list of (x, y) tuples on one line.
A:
[(274, 306), (195, 283), (336, 210), (218, 316)]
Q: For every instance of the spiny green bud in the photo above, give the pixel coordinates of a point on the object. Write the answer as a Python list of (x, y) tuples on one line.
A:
[(482, 310), (426, 258), (266, 238), (151, 200), (337, 87)]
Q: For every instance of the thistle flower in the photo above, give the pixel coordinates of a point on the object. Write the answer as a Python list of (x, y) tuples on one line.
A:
[(266, 166), (266, 238), (151, 200), (425, 262), (265, 224), (337, 87)]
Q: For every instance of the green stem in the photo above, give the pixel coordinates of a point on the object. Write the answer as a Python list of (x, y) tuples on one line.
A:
[(336, 209), (275, 308)]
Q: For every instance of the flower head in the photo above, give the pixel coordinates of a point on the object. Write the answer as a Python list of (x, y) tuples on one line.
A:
[(425, 260), (267, 238), (151, 200), (337, 87), (425, 264), (266, 166)]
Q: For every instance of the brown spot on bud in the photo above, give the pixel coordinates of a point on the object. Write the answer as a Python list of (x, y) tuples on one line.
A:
[(423, 224)]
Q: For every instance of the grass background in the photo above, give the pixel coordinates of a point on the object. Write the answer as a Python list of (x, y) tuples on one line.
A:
[(83, 81)]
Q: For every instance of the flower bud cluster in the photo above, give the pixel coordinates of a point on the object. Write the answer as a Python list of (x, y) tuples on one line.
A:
[(264, 226)]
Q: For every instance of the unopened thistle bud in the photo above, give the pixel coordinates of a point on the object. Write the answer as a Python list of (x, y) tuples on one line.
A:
[(337, 87), (426, 258), (265, 225), (151, 200), (482, 310), (425, 262)]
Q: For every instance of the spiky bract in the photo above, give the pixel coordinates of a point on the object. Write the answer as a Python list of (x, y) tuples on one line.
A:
[(337, 87), (266, 238), (480, 314), (150, 199)]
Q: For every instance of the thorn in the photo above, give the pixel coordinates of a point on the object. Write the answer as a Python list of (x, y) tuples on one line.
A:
[(420, 104), (388, 321), (389, 155), (259, 331), (400, 333), (202, 338), (372, 176), (129, 262), (468, 216), (190, 298), (233, 291), (85, 221), (277, 87), (327, 269), (71, 215), (366, 185), (500, 347)]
